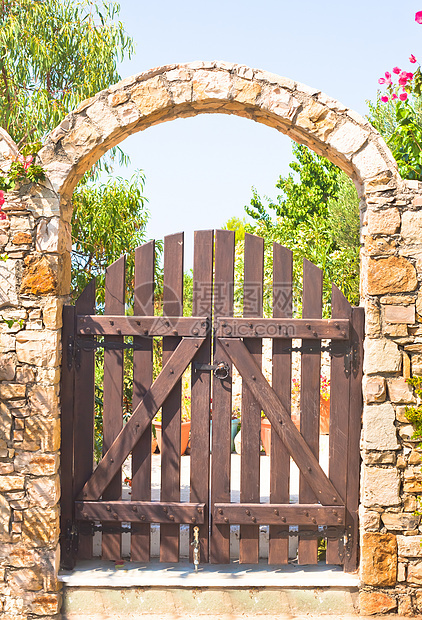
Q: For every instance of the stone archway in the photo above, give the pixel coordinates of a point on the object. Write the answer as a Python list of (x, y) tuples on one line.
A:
[(36, 280)]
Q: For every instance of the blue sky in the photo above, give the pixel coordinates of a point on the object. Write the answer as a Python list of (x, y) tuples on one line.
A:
[(199, 171)]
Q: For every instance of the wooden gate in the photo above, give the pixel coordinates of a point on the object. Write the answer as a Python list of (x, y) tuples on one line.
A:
[(212, 341)]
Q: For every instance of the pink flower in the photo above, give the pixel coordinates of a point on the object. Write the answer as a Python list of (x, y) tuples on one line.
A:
[(403, 96), (381, 81), (412, 58), (409, 76), (394, 96), (26, 161), (418, 17), (388, 75), (403, 80), (384, 98), (1, 198), (3, 216), (396, 70)]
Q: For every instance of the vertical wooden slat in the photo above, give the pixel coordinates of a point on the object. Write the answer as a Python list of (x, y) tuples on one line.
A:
[(353, 462), (251, 410), (113, 395), (171, 411), (84, 400), (201, 386), (221, 397), (310, 394), (142, 379), (67, 555), (281, 384), (339, 418)]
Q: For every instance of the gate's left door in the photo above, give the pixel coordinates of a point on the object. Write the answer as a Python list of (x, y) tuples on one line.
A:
[(93, 497)]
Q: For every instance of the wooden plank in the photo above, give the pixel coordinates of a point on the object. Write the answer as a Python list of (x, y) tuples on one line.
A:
[(339, 419), (201, 387), (140, 511), (84, 413), (113, 394), (281, 383), (140, 418), (138, 325), (171, 411), (253, 284), (67, 553), (307, 329), (310, 395), (279, 514), (221, 397), (142, 380), (355, 423), (281, 423)]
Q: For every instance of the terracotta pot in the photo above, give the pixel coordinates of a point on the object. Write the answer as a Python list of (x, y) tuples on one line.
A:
[(324, 416), (266, 435), (154, 444), (184, 437)]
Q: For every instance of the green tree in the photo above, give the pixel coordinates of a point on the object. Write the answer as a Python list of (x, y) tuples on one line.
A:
[(109, 219), (317, 217), (54, 54)]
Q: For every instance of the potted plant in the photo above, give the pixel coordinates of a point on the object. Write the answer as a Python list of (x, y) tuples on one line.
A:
[(185, 426)]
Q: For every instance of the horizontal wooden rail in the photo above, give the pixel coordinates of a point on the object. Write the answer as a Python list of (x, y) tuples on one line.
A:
[(94, 325), (311, 329), (279, 514), (147, 512)]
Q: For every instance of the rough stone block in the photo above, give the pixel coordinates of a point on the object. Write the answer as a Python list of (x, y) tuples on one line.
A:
[(5, 514), (400, 391), (150, 96), (409, 546), (52, 313), (379, 431), (369, 520), (21, 557), (381, 355), (44, 492), (8, 284), (36, 464), (42, 433), (5, 422), (348, 139), (400, 314), (400, 521), (375, 389), (378, 559), (414, 572), (40, 348), (7, 367), (371, 603), (9, 391), (25, 580), (38, 277), (393, 274), (45, 604), (40, 526), (11, 482), (380, 487), (386, 222), (411, 228), (317, 119), (44, 400)]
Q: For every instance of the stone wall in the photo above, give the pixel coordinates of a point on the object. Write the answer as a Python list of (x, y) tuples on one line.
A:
[(35, 279)]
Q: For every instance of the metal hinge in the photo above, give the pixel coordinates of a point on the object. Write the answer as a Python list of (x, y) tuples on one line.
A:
[(335, 349), (71, 537)]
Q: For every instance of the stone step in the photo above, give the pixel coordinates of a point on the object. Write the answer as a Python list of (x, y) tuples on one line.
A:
[(100, 590)]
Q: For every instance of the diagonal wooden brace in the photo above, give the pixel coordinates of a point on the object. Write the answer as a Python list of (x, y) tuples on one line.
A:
[(281, 422), (140, 418)]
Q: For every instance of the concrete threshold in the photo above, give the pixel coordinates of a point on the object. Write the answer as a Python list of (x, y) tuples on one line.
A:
[(97, 573), (98, 590)]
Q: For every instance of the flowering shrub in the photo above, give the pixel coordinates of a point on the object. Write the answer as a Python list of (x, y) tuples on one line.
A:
[(324, 388), (404, 133), (23, 169)]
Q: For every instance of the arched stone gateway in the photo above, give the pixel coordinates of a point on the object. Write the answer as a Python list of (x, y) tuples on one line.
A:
[(35, 280)]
